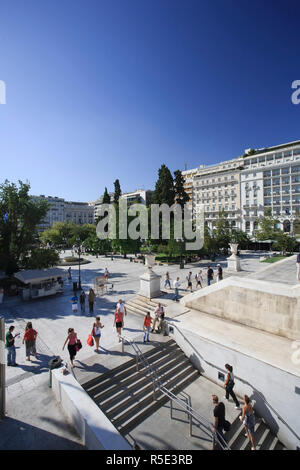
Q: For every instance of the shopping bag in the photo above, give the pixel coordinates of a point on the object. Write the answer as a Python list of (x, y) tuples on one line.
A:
[(90, 341)]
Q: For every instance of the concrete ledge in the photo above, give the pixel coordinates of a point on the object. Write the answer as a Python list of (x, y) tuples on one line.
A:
[(268, 306), (95, 429)]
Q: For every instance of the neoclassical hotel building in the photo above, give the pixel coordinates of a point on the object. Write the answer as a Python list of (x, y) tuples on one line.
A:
[(245, 186)]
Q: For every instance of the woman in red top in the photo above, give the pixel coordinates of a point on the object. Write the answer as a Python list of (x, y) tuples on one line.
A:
[(30, 339), (147, 326), (71, 339), (118, 322)]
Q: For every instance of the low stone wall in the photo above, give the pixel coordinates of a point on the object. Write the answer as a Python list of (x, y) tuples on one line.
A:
[(94, 428), (270, 307)]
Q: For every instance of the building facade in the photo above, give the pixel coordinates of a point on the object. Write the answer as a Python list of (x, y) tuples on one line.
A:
[(246, 186), (66, 211), (271, 179)]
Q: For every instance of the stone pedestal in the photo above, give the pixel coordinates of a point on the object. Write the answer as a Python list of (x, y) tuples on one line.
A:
[(234, 263), (150, 285)]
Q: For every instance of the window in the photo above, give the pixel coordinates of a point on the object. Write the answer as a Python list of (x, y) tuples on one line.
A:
[(255, 202), (276, 172), (267, 174), (295, 169), (270, 157), (278, 156), (247, 226), (285, 171)]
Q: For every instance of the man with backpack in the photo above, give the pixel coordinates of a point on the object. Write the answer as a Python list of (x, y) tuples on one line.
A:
[(209, 274), (220, 423)]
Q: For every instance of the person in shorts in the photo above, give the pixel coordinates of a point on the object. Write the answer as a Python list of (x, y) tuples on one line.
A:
[(118, 322), (248, 420), (29, 339), (96, 331)]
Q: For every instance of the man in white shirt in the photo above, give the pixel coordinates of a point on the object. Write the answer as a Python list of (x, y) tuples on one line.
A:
[(158, 319), (176, 289)]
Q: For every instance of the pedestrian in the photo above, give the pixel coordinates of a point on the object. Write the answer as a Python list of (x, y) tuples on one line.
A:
[(96, 331), (82, 301), (248, 420), (167, 280), (118, 322), (219, 273), (147, 326), (219, 421), (199, 279), (209, 275), (71, 340), (30, 340), (121, 306), (74, 302), (158, 318), (69, 274), (176, 289), (106, 274), (10, 346), (189, 281), (298, 266), (91, 300), (229, 384)]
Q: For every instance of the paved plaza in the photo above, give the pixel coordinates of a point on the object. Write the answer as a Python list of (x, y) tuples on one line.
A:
[(52, 317)]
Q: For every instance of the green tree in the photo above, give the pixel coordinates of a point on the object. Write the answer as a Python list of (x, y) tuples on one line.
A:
[(267, 227), (20, 216), (106, 197), (164, 192), (118, 192), (180, 195), (222, 233)]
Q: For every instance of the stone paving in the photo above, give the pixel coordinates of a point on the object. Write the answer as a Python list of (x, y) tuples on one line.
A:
[(52, 317)]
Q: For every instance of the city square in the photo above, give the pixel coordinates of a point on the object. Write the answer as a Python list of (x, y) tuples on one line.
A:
[(149, 230)]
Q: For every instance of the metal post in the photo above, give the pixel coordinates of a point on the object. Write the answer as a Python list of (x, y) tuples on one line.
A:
[(137, 362), (171, 408), (2, 369), (122, 345), (79, 283), (191, 424)]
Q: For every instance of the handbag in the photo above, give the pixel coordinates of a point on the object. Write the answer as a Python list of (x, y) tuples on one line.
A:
[(90, 340), (78, 345)]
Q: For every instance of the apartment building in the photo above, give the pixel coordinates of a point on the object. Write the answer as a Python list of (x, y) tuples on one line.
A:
[(65, 211), (217, 187), (271, 179), (140, 196)]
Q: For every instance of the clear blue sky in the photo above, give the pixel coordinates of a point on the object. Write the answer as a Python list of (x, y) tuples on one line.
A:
[(106, 89)]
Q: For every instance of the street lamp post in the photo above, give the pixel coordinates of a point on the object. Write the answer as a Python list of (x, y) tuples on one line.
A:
[(180, 241), (79, 251)]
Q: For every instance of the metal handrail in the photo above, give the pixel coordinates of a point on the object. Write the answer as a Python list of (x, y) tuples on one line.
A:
[(241, 380), (193, 414)]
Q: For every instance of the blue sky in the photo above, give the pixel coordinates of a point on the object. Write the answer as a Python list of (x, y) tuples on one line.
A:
[(106, 89)]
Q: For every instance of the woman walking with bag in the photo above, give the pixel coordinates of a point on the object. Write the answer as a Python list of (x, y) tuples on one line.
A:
[(71, 340), (96, 331), (30, 339), (248, 420), (229, 384)]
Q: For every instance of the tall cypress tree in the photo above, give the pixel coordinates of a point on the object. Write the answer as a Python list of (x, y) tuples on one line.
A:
[(118, 191), (180, 195), (106, 197), (164, 189)]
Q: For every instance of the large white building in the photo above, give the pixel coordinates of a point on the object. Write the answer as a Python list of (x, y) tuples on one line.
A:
[(245, 186), (271, 179), (66, 211)]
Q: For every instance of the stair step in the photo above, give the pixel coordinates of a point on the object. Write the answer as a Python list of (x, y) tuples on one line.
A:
[(136, 407), (137, 377), (141, 393), (153, 406), (258, 432), (260, 440), (96, 380), (164, 364), (121, 373)]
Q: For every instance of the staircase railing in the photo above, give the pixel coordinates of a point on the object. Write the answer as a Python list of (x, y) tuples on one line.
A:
[(194, 416), (238, 378)]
